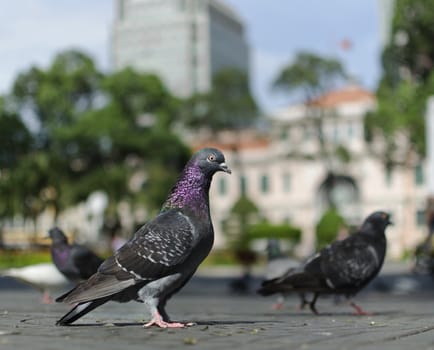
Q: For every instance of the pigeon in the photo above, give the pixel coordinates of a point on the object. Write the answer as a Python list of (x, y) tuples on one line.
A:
[(162, 255), (75, 261), (44, 276), (342, 268), (277, 265)]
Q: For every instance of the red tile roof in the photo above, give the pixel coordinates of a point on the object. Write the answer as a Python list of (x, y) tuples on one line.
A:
[(345, 95)]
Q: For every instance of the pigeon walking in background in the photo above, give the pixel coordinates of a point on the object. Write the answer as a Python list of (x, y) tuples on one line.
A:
[(163, 254), (44, 277), (75, 261), (277, 265), (344, 267)]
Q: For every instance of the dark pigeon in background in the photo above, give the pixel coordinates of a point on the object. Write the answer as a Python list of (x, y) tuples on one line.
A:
[(344, 267), (163, 254), (75, 261), (277, 265)]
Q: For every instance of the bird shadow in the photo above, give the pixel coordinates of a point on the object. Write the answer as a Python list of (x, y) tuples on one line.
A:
[(197, 323), (331, 314)]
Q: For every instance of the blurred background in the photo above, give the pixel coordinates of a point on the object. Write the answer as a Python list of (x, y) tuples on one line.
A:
[(322, 109)]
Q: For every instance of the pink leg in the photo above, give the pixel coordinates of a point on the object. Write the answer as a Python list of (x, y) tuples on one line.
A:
[(46, 299), (157, 320), (277, 306), (359, 310)]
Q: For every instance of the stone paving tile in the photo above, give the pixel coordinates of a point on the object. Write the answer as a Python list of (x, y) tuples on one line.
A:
[(223, 322)]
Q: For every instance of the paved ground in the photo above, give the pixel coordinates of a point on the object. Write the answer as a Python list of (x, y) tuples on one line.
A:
[(404, 319)]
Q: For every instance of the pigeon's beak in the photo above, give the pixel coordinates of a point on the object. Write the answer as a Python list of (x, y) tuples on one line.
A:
[(224, 167)]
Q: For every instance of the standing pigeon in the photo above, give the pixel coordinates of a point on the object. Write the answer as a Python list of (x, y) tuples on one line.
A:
[(44, 276), (75, 261), (344, 267), (163, 254)]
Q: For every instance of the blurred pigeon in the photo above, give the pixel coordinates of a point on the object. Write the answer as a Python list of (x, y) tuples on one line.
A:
[(45, 277), (163, 254), (344, 267), (75, 261), (277, 265)]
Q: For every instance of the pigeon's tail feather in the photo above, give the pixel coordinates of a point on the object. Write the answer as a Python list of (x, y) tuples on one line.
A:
[(269, 287), (297, 282), (78, 311)]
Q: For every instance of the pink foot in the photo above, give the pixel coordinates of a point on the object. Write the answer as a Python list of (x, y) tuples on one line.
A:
[(46, 299), (158, 321), (360, 311), (164, 324), (277, 306)]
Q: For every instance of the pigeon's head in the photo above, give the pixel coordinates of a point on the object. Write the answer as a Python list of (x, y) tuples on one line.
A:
[(379, 220), (210, 160), (57, 235)]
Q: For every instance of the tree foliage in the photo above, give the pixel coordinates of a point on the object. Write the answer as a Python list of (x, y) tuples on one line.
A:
[(229, 104), (91, 131), (328, 227), (310, 75), (406, 83)]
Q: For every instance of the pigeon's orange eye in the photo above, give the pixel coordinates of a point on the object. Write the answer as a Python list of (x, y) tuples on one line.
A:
[(211, 157)]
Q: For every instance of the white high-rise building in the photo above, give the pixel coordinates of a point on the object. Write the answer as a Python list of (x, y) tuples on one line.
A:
[(184, 42)]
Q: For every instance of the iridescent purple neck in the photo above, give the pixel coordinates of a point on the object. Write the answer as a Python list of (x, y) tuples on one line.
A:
[(191, 191)]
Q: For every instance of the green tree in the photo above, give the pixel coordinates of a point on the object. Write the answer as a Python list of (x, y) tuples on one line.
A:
[(54, 99), (309, 77), (406, 83), (229, 104), (58, 96), (328, 227), (15, 138), (125, 146), (15, 143), (92, 131)]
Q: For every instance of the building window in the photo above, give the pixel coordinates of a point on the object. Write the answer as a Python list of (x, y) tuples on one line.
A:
[(243, 185), (286, 181), (420, 217), (283, 134), (418, 175), (222, 186), (264, 184)]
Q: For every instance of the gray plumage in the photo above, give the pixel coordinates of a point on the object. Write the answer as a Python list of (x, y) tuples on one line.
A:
[(75, 261), (163, 254), (344, 267)]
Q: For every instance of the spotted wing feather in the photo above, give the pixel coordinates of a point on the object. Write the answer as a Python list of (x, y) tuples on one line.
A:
[(351, 263), (155, 251)]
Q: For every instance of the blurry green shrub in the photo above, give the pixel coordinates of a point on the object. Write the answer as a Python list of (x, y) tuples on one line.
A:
[(265, 230), (328, 227), (19, 258)]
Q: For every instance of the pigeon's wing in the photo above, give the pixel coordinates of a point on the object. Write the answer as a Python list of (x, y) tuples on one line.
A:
[(155, 251), (84, 260), (349, 263)]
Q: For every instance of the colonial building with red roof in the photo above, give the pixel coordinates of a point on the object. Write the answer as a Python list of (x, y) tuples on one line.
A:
[(284, 172)]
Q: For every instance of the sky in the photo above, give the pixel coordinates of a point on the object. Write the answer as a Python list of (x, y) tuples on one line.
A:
[(32, 32)]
